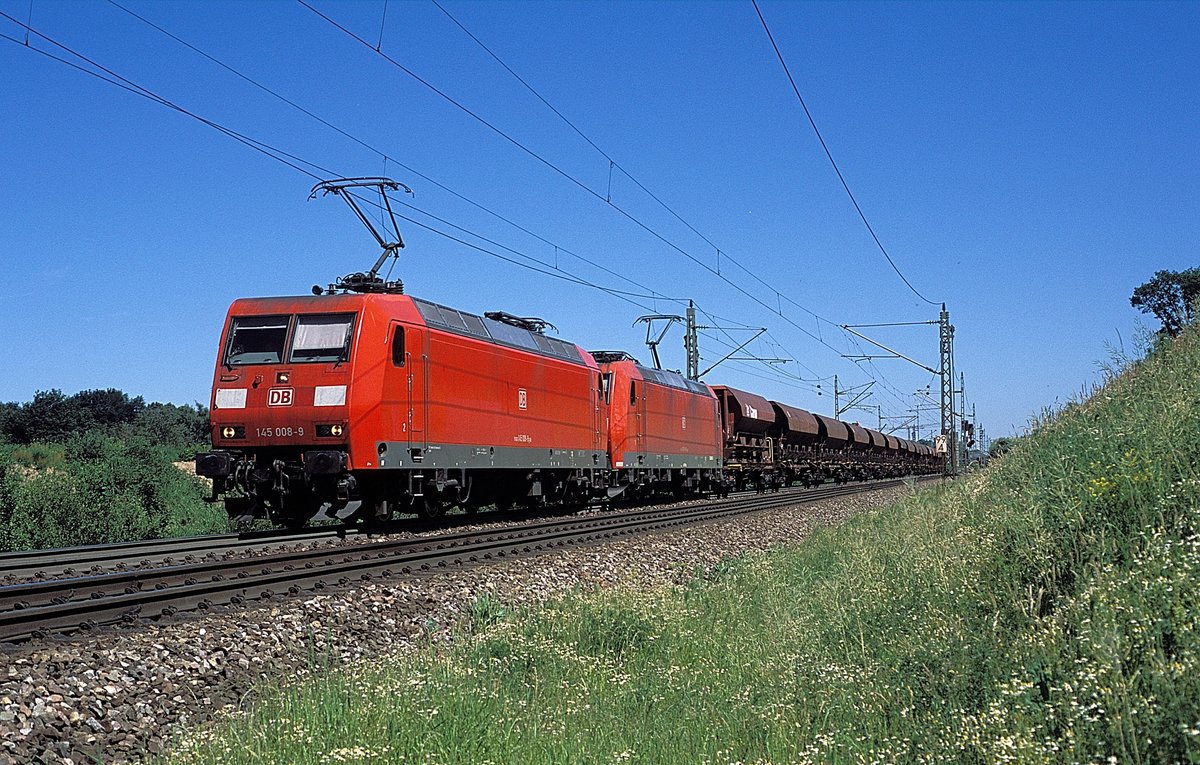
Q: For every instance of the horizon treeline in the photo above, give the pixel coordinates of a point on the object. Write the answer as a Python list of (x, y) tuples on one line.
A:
[(55, 418)]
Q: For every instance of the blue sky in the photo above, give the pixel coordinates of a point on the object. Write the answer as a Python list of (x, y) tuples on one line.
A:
[(1028, 164)]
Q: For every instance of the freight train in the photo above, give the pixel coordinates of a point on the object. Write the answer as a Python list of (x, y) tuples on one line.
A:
[(404, 405), (361, 393)]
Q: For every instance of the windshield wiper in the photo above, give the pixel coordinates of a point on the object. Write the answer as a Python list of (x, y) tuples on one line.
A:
[(342, 356)]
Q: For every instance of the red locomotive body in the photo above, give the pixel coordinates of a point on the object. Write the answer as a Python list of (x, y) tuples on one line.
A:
[(664, 431), (397, 402)]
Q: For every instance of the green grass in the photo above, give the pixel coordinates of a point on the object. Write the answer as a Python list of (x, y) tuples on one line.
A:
[(1044, 610)]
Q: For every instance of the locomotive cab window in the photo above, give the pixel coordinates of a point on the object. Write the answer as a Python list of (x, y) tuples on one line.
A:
[(398, 347), (256, 340), (321, 338), (632, 393)]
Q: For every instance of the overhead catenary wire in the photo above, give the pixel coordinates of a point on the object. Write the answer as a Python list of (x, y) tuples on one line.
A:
[(113, 78), (829, 155), (558, 247), (764, 372), (500, 132), (386, 157), (304, 166), (307, 168), (612, 162), (572, 179), (279, 155)]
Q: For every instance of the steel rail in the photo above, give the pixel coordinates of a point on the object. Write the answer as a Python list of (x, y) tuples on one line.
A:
[(64, 606), (67, 559)]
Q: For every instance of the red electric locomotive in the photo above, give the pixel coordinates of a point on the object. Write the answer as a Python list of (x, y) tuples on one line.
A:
[(397, 402), (663, 430)]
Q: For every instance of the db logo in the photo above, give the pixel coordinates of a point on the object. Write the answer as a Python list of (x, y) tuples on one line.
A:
[(279, 397), (522, 399)]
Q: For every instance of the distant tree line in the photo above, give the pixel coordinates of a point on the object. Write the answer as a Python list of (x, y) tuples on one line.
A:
[(54, 418)]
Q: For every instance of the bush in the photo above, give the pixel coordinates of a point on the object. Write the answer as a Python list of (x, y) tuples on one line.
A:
[(97, 467), (38, 456), (95, 490)]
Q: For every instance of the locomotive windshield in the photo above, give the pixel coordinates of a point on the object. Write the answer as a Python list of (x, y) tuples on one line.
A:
[(256, 340), (324, 337), (264, 339)]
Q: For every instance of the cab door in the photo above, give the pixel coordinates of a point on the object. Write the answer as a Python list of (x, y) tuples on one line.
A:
[(637, 407), (407, 385), (597, 416)]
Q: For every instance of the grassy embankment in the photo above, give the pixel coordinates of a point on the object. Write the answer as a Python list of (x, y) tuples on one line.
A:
[(1045, 610)]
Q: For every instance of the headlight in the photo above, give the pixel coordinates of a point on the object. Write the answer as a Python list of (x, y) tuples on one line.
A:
[(233, 431), (331, 431)]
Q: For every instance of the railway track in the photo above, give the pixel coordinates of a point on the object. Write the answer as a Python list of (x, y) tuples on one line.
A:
[(85, 560), (91, 559), (88, 560), (66, 605)]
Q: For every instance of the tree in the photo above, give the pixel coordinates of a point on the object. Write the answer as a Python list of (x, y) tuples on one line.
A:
[(183, 428), (8, 410), (109, 406), (1172, 297), (51, 416)]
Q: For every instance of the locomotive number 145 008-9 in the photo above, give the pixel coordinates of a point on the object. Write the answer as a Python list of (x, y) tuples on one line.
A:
[(284, 432)]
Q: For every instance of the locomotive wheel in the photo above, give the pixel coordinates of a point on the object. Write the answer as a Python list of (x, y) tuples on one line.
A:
[(431, 507)]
